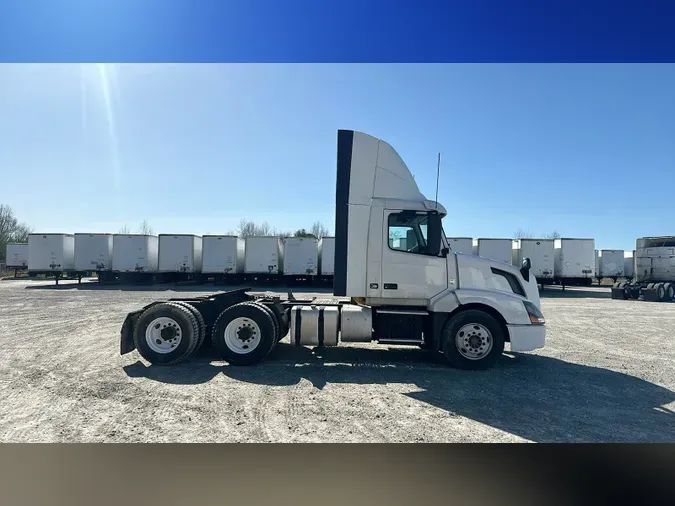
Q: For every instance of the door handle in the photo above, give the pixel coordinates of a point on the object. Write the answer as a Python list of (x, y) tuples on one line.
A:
[(391, 286)]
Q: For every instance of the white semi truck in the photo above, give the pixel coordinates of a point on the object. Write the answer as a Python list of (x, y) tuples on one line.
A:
[(654, 276), (462, 306)]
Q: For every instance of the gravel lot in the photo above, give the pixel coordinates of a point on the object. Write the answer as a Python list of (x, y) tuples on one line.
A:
[(606, 374)]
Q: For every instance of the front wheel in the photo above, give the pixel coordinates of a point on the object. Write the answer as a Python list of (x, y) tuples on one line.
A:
[(473, 340)]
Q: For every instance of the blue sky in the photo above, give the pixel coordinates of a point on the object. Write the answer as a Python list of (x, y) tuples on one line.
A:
[(195, 148)]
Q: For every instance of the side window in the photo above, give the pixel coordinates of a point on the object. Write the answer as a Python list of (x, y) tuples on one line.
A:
[(407, 232)]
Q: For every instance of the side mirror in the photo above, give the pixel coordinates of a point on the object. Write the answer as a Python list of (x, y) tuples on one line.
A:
[(525, 269), (433, 233)]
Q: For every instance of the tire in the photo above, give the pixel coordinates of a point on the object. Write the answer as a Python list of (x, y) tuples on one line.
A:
[(670, 291), (150, 329), (275, 320), (627, 290), (650, 286), (282, 321), (661, 292), (200, 321), (486, 327), (262, 332)]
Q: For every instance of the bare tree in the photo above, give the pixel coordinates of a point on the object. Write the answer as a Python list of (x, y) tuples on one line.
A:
[(11, 230), (318, 230), (124, 230), (552, 235), (523, 234), (248, 228), (145, 228)]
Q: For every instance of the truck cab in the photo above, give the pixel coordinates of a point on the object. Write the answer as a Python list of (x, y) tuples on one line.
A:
[(395, 275)]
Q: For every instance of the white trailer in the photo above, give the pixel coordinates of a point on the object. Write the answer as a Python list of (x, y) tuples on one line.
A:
[(51, 254), (180, 255), (500, 250), (574, 261), (327, 256), (94, 253), (461, 244), (654, 277), (629, 264), (222, 255), (301, 256), (136, 254), (541, 253), (462, 307), (17, 255), (609, 263), (264, 255)]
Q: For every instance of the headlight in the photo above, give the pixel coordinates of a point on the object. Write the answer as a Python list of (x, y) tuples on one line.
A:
[(536, 317)]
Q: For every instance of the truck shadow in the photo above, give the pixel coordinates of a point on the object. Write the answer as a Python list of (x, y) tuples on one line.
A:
[(539, 398)]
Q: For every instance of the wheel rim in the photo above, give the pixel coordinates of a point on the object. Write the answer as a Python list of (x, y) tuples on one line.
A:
[(473, 341), (242, 335), (163, 335)]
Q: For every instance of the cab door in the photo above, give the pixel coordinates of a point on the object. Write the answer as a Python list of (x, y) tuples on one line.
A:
[(409, 271)]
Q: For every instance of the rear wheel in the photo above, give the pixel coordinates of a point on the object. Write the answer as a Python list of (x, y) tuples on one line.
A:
[(166, 333), (670, 291), (660, 292), (473, 340), (200, 321), (244, 333)]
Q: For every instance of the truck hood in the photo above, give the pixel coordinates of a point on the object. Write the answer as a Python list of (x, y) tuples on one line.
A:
[(475, 272)]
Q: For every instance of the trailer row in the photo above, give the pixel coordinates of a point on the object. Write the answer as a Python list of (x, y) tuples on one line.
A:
[(184, 255), (565, 261)]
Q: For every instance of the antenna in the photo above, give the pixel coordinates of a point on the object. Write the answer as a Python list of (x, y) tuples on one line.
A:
[(438, 174)]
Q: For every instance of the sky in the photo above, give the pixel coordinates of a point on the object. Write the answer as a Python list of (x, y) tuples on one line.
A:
[(585, 150)]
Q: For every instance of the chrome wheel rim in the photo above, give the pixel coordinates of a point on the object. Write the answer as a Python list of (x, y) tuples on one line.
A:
[(474, 341)]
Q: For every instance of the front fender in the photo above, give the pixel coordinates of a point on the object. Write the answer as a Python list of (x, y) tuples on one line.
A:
[(510, 306)]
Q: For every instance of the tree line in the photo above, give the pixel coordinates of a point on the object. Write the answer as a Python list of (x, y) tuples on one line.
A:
[(11, 230), (526, 234)]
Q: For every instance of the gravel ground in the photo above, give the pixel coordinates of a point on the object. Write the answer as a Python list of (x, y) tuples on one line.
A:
[(606, 374)]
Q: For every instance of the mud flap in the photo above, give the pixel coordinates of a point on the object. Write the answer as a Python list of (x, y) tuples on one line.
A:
[(127, 344)]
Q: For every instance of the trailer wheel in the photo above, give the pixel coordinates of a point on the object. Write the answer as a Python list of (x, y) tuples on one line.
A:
[(473, 340), (670, 291), (660, 292), (200, 321), (166, 333), (244, 334)]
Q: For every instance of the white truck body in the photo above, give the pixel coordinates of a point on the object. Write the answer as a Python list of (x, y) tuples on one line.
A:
[(500, 250), (629, 264), (135, 253), (17, 255), (609, 263), (180, 253), (461, 244), (655, 259), (93, 252), (51, 252), (263, 255), (541, 254), (301, 256), (463, 306), (222, 254), (574, 258), (327, 256)]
